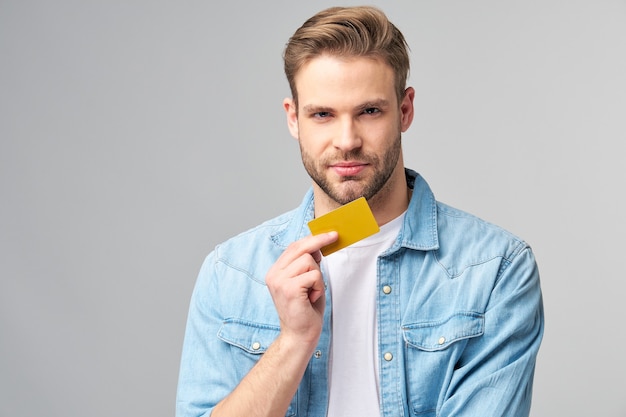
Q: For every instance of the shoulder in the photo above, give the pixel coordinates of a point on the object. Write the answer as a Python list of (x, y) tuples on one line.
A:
[(475, 227), (466, 240), (251, 253), (255, 249), (262, 234)]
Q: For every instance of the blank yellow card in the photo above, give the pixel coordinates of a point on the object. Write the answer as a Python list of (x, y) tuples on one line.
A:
[(353, 221)]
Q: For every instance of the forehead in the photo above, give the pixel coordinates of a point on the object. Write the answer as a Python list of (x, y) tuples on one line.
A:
[(330, 77)]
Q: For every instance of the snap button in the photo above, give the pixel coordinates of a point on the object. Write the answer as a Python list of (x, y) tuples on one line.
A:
[(317, 354), (387, 289), (388, 356), (442, 340), (256, 346)]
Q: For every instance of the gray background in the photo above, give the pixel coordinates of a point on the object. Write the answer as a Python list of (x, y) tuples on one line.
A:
[(135, 135)]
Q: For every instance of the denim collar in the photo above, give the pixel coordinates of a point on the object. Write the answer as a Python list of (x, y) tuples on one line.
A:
[(419, 230)]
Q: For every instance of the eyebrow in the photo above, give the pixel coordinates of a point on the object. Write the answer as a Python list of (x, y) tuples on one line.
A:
[(374, 103), (312, 108)]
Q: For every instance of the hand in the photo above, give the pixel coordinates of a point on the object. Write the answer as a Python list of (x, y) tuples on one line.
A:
[(297, 287)]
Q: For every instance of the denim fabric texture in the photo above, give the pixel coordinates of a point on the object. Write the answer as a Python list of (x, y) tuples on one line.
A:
[(459, 315)]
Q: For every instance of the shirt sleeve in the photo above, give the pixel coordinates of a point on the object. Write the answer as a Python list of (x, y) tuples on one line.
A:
[(204, 378), (495, 374)]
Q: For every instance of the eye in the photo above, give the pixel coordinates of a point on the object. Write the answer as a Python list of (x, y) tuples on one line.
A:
[(321, 114), (371, 110)]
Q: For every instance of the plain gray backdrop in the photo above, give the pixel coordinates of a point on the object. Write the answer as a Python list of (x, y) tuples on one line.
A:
[(136, 135)]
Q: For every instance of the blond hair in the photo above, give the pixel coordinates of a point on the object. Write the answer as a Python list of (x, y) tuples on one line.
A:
[(350, 32)]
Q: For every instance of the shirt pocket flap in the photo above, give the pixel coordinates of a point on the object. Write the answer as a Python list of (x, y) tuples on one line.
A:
[(254, 338), (438, 335)]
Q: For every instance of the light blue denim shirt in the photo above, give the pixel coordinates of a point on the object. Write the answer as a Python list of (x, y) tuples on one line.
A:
[(459, 315)]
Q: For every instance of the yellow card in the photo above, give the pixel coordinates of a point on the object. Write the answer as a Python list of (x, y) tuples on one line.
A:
[(353, 221)]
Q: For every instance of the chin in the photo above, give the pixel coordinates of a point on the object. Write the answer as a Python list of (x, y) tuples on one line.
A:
[(346, 196)]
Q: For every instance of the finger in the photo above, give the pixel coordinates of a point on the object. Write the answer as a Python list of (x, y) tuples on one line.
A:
[(299, 266), (307, 286), (312, 283), (317, 290), (308, 245), (317, 256)]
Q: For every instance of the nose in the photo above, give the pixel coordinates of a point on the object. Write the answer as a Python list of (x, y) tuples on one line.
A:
[(347, 137)]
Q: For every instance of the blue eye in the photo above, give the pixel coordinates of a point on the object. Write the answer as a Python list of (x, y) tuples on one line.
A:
[(321, 114)]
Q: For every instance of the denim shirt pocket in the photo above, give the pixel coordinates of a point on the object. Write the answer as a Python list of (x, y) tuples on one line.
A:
[(253, 338), (248, 341), (432, 350)]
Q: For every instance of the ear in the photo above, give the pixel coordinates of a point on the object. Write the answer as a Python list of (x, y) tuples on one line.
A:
[(407, 109), (292, 117)]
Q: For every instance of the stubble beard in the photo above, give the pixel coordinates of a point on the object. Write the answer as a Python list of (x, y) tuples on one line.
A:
[(352, 187)]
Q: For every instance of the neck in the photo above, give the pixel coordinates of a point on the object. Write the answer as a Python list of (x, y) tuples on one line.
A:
[(392, 200)]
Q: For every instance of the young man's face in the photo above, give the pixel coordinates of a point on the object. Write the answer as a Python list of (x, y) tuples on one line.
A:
[(348, 124)]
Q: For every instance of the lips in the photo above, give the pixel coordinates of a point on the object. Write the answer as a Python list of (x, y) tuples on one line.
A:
[(348, 169)]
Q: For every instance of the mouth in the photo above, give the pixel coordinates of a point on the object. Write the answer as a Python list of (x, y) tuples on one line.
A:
[(348, 168)]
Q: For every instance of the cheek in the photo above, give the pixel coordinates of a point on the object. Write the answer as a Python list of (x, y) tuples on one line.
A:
[(314, 139), (311, 149), (381, 136)]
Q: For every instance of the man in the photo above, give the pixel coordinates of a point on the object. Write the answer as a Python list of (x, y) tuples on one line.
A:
[(439, 314)]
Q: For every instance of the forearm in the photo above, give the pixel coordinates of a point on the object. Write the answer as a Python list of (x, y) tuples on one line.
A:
[(270, 385)]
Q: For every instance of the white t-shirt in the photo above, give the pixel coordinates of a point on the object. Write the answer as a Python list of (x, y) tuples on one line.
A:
[(354, 349)]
